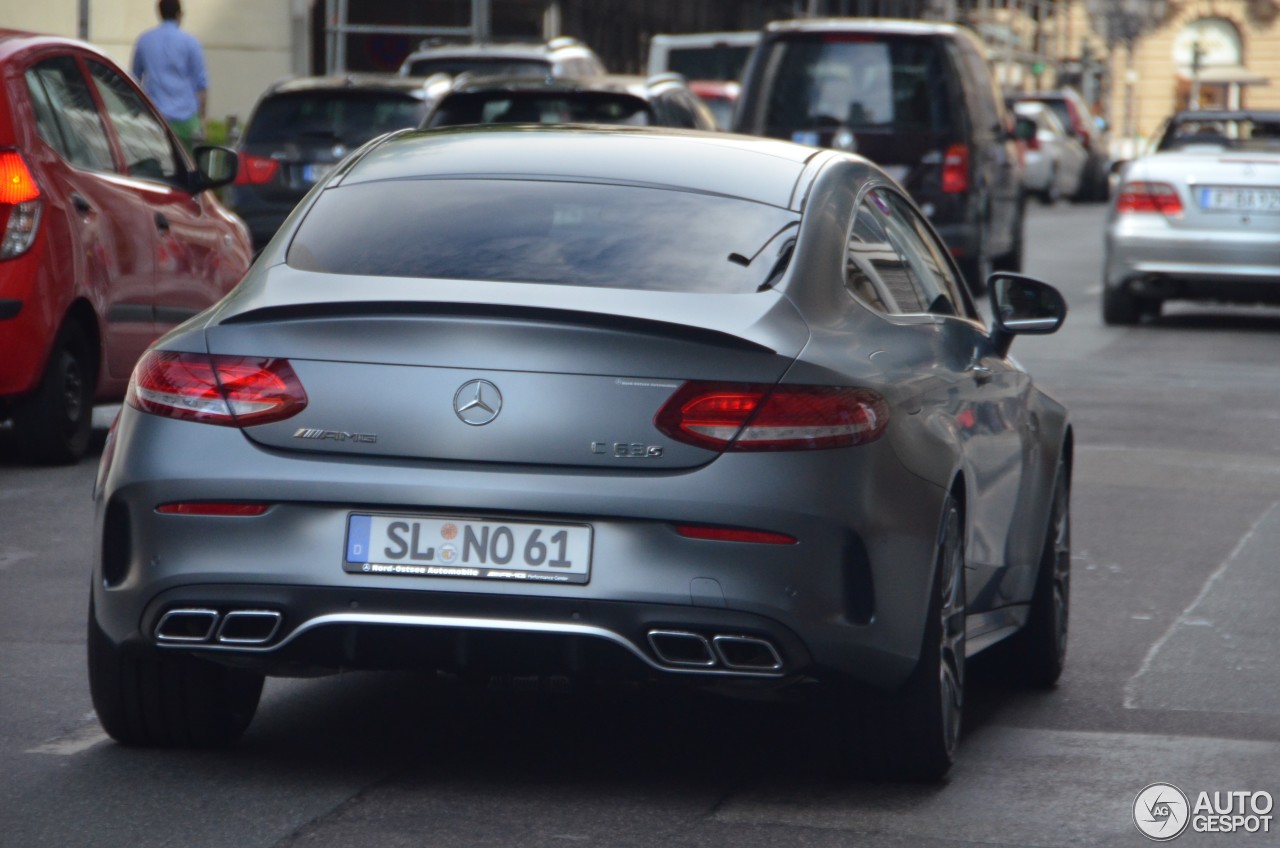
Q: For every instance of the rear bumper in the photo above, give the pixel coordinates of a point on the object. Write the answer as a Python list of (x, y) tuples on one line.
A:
[(31, 307), (849, 599), (1149, 256)]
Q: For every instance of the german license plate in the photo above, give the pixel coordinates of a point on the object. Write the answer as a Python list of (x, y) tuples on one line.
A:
[(1228, 199), (313, 173), (435, 546)]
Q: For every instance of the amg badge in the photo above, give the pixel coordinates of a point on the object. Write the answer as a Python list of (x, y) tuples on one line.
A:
[(335, 435)]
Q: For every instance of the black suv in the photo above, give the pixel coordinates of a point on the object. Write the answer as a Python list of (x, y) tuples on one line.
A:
[(916, 98), (661, 101), (300, 129)]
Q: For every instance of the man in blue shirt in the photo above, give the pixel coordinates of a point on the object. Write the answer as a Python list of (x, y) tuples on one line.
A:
[(170, 65)]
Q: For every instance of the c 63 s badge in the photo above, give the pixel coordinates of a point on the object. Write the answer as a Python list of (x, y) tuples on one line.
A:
[(627, 450), (335, 436)]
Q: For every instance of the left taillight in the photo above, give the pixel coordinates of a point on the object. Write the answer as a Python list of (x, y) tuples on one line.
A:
[(955, 169), (19, 205), (233, 391), (751, 417), (255, 170)]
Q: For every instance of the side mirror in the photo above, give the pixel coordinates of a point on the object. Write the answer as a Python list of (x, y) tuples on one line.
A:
[(1023, 306), (215, 166)]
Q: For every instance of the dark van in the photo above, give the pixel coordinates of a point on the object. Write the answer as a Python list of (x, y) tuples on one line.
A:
[(916, 98)]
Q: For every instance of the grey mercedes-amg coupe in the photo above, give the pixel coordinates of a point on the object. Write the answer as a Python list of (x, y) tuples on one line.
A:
[(591, 401)]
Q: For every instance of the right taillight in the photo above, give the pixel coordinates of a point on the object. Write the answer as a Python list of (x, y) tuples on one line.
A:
[(955, 169), (255, 170), (1137, 197), (19, 205), (233, 391), (754, 417)]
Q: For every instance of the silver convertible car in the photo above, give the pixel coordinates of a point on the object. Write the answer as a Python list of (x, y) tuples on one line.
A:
[(599, 402), (1199, 218)]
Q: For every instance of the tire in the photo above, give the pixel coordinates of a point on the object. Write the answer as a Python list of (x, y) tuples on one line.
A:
[(1012, 261), (1051, 194), (54, 425), (912, 734), (976, 269), (150, 698), (1035, 656), (1119, 307)]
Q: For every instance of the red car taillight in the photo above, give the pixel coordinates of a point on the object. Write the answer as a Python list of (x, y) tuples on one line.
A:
[(233, 391), (19, 205), (752, 417), (1149, 197), (255, 170), (955, 169)]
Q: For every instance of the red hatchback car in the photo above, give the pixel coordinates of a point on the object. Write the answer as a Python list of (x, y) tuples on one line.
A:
[(108, 236)]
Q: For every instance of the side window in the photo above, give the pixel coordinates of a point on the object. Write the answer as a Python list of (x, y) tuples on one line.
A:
[(894, 264), (74, 128), (922, 266), (147, 148)]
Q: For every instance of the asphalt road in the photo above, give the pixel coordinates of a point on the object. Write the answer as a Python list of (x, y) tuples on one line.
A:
[(1173, 672)]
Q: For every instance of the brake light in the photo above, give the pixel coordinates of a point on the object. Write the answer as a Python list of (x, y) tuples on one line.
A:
[(752, 417), (233, 391), (1144, 197), (19, 205), (955, 169), (255, 170), (733, 534), (230, 509)]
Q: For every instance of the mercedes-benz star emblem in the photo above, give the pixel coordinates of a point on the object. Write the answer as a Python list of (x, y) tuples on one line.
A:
[(478, 402)]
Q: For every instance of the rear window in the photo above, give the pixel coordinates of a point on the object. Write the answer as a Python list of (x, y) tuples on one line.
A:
[(1223, 134), (816, 81), (495, 66), (498, 107), (717, 62), (348, 116), (573, 234)]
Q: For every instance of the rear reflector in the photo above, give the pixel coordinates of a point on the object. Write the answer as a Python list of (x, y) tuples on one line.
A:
[(752, 417), (212, 508), (1139, 197), (233, 391), (255, 170), (733, 534)]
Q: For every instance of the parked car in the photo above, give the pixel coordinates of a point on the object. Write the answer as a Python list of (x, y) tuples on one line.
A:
[(110, 236), (1076, 116), (559, 57), (596, 401), (1198, 219), (301, 129), (1055, 161), (662, 101), (721, 98), (917, 99), (711, 56)]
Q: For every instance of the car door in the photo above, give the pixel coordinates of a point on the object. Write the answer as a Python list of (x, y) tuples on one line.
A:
[(187, 238), (111, 236), (982, 397), (995, 154)]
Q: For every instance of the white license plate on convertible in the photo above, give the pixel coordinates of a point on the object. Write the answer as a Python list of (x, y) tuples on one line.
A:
[(441, 546), (1228, 199)]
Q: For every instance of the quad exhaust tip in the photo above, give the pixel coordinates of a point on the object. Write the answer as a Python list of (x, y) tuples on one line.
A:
[(238, 627), (731, 651)]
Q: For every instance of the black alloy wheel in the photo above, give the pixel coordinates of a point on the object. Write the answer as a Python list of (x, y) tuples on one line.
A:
[(54, 424)]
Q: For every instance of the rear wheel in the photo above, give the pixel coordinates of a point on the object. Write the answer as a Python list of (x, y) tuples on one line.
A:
[(912, 734), (1119, 307), (53, 425), (1051, 194), (977, 268), (151, 698)]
